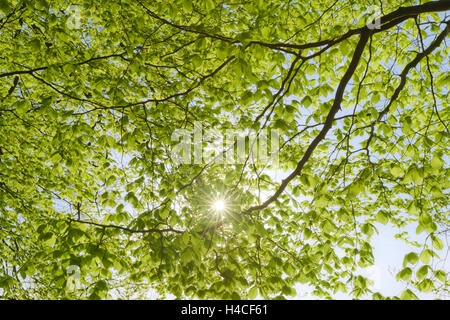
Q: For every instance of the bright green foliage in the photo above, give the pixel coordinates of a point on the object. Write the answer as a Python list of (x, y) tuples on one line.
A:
[(90, 96)]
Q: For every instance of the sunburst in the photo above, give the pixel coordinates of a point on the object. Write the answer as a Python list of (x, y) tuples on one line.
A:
[(219, 205), (216, 204)]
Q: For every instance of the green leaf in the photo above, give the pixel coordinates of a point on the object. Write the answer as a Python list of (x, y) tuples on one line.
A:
[(282, 125), (422, 272), (187, 5), (260, 229), (306, 101), (367, 229), (187, 256), (426, 285), (119, 208), (426, 255), (404, 275), (111, 179), (437, 243), (425, 219), (382, 217), (397, 171), (410, 258), (408, 295), (441, 275), (252, 293), (5, 7), (436, 163), (35, 44)]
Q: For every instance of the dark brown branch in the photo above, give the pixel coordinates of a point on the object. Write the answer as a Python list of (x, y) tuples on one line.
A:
[(196, 84), (31, 71), (327, 125), (126, 229), (403, 76), (386, 22)]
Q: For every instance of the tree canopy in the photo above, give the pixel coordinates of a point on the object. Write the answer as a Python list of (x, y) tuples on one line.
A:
[(94, 205)]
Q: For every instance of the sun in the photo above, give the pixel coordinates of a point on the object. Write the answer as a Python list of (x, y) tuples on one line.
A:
[(219, 205)]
